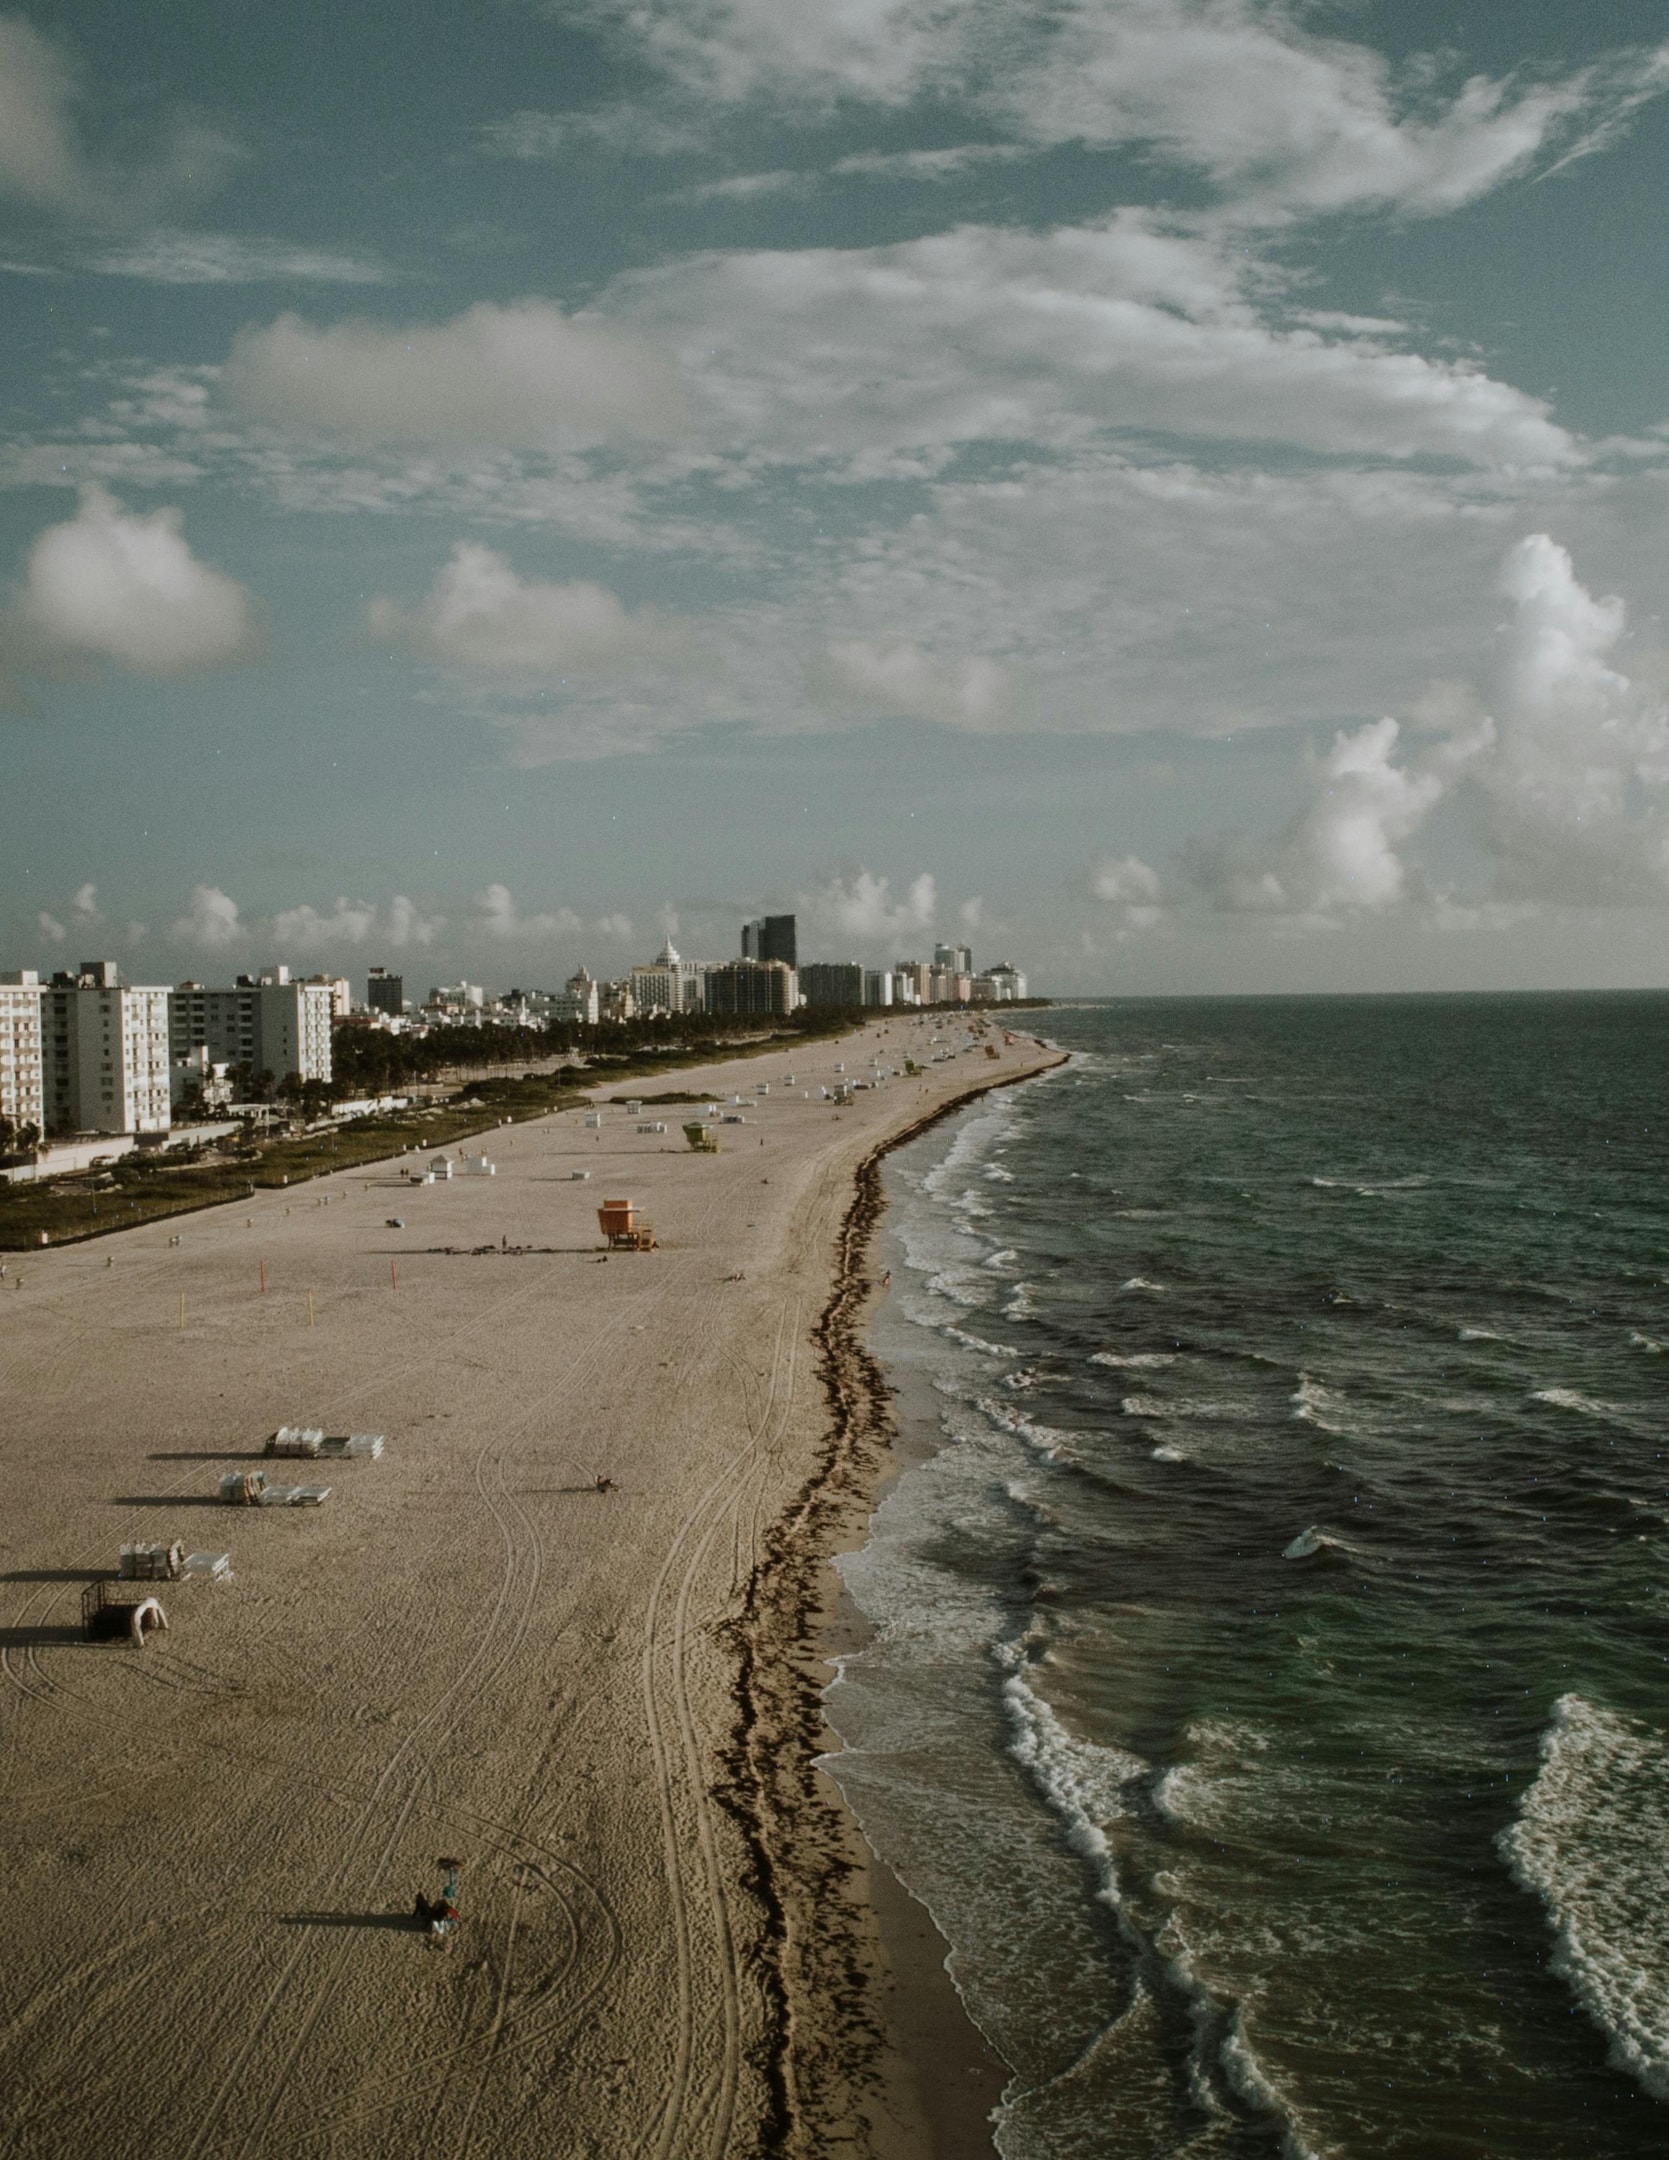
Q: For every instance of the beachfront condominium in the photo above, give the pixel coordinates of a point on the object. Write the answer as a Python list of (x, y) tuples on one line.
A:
[(954, 959), (22, 1075), (273, 1025), (832, 983), (104, 1053), (1000, 984), (755, 987), (771, 937)]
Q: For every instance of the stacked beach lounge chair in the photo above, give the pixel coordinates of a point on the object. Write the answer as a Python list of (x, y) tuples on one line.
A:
[(313, 1441), (249, 1488)]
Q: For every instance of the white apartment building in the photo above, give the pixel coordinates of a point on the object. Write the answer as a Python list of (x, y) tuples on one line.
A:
[(266, 1021), (669, 984), (578, 1001), (877, 986), (104, 1053), (22, 1073), (1000, 984)]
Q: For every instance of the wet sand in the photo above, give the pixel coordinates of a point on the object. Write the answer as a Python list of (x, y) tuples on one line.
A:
[(603, 1703)]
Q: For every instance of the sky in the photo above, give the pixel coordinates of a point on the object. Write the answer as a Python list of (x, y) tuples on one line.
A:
[(1169, 492)]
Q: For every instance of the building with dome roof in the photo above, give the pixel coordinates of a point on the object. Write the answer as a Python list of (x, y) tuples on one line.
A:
[(669, 984)]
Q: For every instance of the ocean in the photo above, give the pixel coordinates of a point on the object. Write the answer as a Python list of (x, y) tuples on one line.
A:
[(1268, 1688)]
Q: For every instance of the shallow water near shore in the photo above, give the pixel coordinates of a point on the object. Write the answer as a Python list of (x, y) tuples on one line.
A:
[(1269, 1692)]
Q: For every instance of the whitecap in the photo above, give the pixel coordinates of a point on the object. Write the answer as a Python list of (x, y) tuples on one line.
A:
[(975, 1342), (1480, 1334), (1308, 1544), (1313, 1400), (1140, 1282), (1645, 1342), (1022, 1305), (1169, 1454), (1562, 1398), (999, 1260), (1139, 1360), (1084, 1783), (1590, 1841)]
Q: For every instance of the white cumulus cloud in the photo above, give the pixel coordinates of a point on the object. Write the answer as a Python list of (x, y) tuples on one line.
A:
[(520, 374), (502, 920), (859, 906), (123, 585), (212, 922), (479, 614)]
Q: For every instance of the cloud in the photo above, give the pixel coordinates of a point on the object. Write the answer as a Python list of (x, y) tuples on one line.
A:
[(927, 165), (1576, 789), (86, 902), (1562, 778), (206, 258), (901, 679), (121, 585), (1283, 121), (1340, 854), (521, 374), (408, 925), (51, 928), (625, 128), (212, 922), (481, 616), (1008, 335), (1280, 120), (501, 920), (45, 164), (859, 906), (304, 929)]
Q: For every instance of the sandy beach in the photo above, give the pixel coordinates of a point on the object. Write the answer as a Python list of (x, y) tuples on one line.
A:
[(603, 1703)]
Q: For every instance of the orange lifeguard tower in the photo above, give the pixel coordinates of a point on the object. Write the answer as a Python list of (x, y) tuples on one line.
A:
[(624, 1228)]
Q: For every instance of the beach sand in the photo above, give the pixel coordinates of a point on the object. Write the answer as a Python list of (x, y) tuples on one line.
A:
[(603, 1703)]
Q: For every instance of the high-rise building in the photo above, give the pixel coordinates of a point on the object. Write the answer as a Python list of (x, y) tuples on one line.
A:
[(958, 959), (832, 982), (877, 986), (104, 1053), (22, 1072), (264, 1021), (669, 984), (766, 987), (385, 993), (1000, 984), (771, 937)]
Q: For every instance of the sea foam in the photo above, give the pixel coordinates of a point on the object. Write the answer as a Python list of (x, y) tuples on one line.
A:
[(1591, 1842)]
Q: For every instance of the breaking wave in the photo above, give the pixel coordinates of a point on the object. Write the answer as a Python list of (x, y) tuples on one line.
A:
[(1591, 1842)]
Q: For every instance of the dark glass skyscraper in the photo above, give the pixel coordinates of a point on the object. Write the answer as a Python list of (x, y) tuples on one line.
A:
[(771, 937)]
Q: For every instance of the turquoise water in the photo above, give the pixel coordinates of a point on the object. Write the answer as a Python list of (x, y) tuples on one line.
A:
[(1271, 1672)]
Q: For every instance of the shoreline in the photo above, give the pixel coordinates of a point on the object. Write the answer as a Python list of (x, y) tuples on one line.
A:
[(844, 1934)]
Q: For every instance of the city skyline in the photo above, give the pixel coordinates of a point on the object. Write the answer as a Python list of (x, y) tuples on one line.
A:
[(1171, 492)]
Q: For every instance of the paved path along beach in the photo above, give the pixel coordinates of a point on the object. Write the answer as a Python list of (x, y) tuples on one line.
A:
[(212, 1844)]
